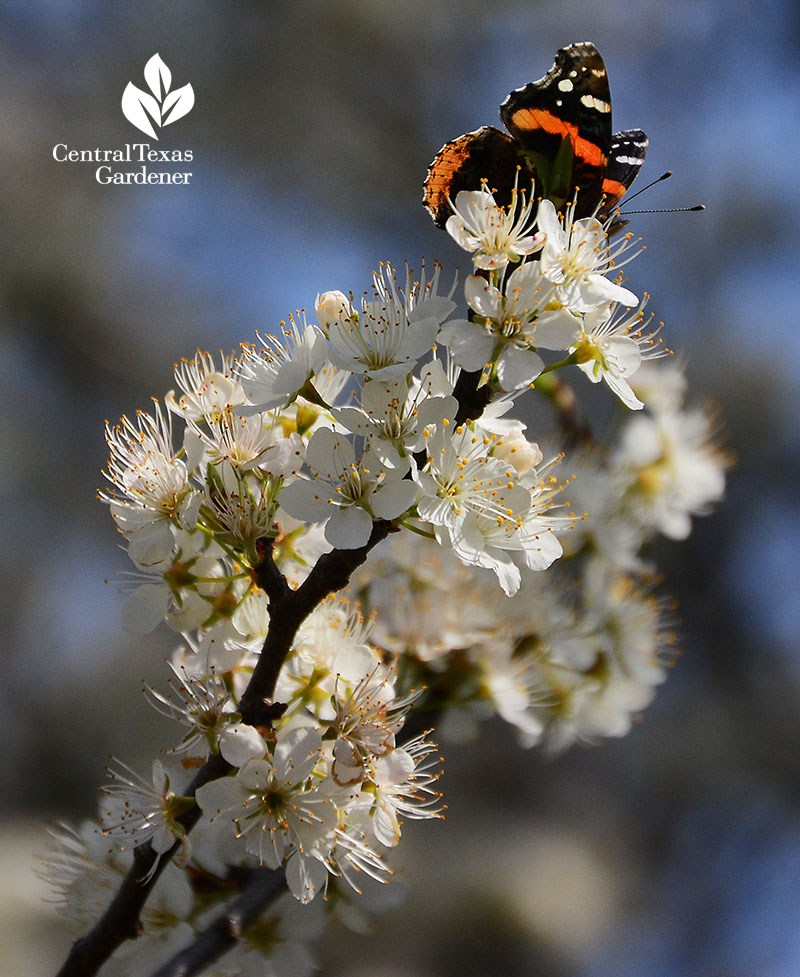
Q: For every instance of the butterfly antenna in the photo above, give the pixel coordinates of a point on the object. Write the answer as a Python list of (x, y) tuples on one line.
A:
[(664, 176), (664, 210)]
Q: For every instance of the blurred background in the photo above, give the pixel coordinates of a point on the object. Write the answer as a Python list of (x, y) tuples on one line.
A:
[(675, 851)]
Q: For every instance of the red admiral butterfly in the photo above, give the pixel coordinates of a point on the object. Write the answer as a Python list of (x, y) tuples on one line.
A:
[(560, 136)]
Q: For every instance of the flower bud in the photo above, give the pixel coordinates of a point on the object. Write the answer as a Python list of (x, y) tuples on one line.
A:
[(520, 453), (332, 306)]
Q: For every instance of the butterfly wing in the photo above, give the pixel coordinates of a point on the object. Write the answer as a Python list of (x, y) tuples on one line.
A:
[(627, 154), (561, 133), (563, 123), (463, 164)]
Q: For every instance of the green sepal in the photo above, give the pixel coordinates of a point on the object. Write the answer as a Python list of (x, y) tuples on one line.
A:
[(541, 167), (560, 188)]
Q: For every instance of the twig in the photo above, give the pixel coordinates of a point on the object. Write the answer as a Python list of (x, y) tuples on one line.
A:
[(574, 425), (288, 609), (331, 573), (265, 885), (120, 922)]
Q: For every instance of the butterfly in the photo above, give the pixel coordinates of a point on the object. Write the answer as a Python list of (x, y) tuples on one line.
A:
[(560, 137)]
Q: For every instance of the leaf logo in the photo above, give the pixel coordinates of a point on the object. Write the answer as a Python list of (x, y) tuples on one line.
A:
[(149, 112)]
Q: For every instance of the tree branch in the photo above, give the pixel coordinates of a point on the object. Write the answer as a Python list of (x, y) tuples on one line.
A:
[(330, 574), (265, 885), (288, 608), (120, 922)]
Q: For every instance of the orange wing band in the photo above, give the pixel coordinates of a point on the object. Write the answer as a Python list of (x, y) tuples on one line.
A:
[(587, 152)]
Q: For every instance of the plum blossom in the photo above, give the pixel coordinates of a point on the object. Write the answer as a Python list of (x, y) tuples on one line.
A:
[(673, 469), (346, 492), (393, 328), (140, 812), (494, 235), (152, 491), (612, 347), (275, 374), (576, 257), (393, 414), (206, 706), (402, 785), (206, 389), (477, 505), (509, 325)]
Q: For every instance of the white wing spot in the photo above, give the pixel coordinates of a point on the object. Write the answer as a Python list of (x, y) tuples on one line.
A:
[(595, 103)]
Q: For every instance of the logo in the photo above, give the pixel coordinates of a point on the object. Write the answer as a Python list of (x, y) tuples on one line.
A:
[(141, 163), (561, 135), (150, 112)]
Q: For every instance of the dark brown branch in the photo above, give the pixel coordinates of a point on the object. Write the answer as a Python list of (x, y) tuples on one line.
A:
[(264, 887), (120, 922), (268, 577), (331, 573), (289, 608)]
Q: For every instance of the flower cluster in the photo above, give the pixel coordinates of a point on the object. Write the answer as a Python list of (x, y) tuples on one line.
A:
[(566, 300), (349, 522)]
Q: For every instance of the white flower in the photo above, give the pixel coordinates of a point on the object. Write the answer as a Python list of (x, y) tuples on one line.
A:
[(151, 485), (513, 683), (275, 806), (576, 257), (613, 347), (274, 375), (672, 467), (521, 454), (525, 312), (255, 441), (402, 782), (137, 812), (608, 526), (625, 635), (394, 413), (181, 586), (276, 944), (329, 652), (428, 602), (349, 494), (206, 390), (165, 930), (332, 306), (393, 329), (205, 705), (366, 723), (518, 319), (477, 505), (84, 871), (494, 235)]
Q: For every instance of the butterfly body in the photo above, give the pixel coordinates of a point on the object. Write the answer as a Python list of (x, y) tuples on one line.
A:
[(559, 135)]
